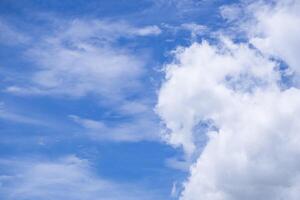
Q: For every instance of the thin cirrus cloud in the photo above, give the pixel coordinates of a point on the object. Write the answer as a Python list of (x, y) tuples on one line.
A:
[(68, 177), (8, 115), (252, 151), (138, 129), (9, 35), (82, 57)]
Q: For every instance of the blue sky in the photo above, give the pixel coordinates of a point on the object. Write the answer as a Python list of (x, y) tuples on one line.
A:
[(108, 99)]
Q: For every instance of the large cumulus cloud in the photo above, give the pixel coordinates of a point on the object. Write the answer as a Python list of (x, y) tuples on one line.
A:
[(253, 139)]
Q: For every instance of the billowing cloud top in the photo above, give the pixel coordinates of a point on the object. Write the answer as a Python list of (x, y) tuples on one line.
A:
[(247, 93)]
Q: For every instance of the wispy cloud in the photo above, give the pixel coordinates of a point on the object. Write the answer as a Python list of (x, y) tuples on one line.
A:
[(137, 129), (196, 30), (68, 177), (9, 115), (77, 58), (10, 35), (83, 57)]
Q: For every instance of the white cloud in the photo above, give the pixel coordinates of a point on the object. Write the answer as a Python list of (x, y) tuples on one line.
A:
[(201, 83), (272, 27), (66, 178), (10, 35), (108, 29), (82, 57), (231, 13), (140, 128), (252, 146), (6, 114), (195, 30), (277, 31), (148, 30), (175, 163)]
